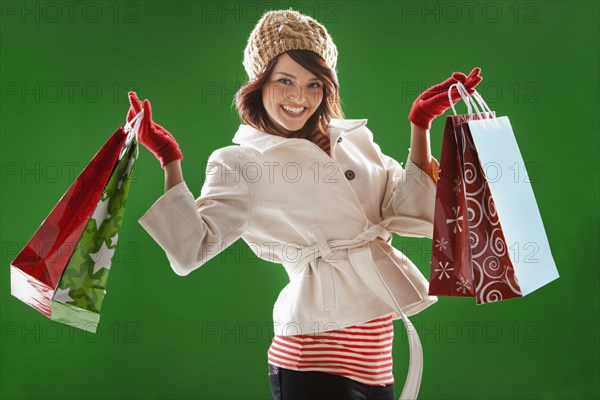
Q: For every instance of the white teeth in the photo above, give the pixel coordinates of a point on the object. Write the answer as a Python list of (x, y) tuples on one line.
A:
[(293, 110)]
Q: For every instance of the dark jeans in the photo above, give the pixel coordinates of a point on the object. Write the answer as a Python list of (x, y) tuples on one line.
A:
[(287, 384)]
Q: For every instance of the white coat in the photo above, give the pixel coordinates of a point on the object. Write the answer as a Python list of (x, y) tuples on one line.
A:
[(327, 220)]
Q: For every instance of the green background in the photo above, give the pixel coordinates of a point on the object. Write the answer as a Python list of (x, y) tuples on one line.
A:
[(205, 336)]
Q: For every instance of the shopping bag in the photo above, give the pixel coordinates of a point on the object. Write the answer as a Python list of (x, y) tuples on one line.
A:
[(489, 240), (62, 270)]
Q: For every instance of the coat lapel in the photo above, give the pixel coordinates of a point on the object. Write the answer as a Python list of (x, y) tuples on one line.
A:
[(264, 142)]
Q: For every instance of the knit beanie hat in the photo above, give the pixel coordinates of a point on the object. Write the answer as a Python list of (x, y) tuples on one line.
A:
[(281, 30)]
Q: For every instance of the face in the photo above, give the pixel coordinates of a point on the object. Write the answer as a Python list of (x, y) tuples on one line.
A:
[(291, 94)]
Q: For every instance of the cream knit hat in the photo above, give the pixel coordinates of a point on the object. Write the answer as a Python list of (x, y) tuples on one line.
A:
[(281, 30)]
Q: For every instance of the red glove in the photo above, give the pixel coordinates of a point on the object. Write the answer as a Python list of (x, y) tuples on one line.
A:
[(153, 136), (434, 101)]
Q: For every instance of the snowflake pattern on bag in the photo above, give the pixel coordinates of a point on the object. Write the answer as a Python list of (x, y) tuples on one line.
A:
[(470, 256)]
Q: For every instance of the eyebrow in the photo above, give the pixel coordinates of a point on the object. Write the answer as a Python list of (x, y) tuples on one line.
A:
[(292, 76)]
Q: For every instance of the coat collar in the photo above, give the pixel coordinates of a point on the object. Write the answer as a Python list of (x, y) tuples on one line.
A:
[(264, 142)]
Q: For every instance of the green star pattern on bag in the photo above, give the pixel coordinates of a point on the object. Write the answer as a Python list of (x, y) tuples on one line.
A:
[(82, 287)]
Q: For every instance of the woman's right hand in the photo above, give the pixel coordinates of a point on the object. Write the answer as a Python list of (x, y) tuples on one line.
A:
[(153, 136)]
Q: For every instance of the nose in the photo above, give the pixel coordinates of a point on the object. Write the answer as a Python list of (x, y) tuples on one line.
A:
[(295, 94)]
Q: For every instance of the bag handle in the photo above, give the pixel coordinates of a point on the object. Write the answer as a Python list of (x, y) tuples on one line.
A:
[(473, 99), (131, 128), (137, 119), (466, 98), (481, 102), (458, 88)]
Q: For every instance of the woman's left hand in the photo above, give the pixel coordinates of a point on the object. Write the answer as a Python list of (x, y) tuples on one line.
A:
[(434, 101), (153, 136)]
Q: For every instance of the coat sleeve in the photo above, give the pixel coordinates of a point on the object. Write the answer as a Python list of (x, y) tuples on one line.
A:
[(410, 194), (192, 231)]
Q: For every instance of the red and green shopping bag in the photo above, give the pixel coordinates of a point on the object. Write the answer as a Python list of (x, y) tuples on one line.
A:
[(63, 269)]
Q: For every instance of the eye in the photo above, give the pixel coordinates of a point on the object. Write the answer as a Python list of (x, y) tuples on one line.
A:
[(318, 85), (283, 79)]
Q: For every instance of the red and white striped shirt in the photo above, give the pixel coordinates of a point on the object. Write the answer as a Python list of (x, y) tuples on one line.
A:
[(361, 352)]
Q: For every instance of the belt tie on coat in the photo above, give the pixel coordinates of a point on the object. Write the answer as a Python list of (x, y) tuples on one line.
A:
[(321, 258)]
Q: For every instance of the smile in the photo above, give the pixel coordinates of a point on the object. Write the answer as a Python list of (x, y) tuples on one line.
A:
[(293, 111)]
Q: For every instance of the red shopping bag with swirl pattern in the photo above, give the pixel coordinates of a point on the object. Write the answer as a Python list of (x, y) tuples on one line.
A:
[(489, 240)]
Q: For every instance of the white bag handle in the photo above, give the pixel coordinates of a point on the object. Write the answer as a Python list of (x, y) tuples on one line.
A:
[(132, 131), (481, 102), (466, 98), (463, 94), (473, 99)]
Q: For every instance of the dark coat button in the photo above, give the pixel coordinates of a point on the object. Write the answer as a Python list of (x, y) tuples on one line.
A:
[(349, 174), (339, 139)]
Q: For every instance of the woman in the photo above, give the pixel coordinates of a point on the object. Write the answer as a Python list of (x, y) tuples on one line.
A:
[(312, 191)]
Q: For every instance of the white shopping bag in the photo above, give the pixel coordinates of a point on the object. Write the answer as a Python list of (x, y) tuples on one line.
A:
[(514, 199)]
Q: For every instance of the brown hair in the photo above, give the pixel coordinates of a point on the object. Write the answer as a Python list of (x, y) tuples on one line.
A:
[(248, 101)]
